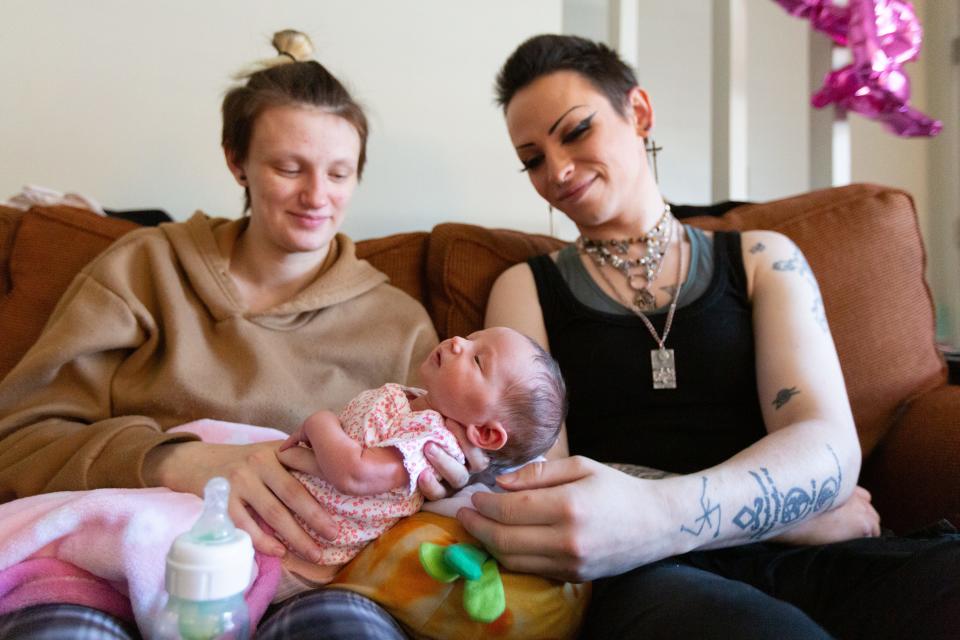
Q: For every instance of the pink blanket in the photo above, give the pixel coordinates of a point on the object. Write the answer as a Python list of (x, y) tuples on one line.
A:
[(106, 548)]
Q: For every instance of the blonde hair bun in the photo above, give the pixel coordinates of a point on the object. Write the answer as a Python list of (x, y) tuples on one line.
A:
[(293, 44)]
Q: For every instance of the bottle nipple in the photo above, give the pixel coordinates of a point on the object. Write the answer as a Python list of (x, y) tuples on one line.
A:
[(214, 524), (214, 559)]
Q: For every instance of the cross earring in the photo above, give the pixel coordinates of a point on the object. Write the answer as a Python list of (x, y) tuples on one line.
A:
[(650, 145)]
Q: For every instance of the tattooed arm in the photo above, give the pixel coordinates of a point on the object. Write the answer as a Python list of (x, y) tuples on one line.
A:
[(577, 519)]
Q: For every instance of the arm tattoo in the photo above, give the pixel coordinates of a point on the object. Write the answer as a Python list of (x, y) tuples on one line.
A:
[(638, 471), (757, 248), (799, 264), (772, 508), (705, 519), (783, 397)]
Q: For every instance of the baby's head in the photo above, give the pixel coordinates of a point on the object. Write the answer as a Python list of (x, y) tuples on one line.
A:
[(504, 389)]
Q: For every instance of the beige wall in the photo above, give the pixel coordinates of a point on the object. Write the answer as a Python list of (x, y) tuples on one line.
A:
[(119, 99)]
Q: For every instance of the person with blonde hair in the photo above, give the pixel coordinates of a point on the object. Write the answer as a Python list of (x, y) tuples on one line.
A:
[(256, 320)]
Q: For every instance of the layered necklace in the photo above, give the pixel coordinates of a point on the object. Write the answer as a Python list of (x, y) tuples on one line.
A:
[(657, 241), (640, 272)]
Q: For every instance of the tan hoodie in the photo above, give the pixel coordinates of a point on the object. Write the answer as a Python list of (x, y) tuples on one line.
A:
[(152, 334)]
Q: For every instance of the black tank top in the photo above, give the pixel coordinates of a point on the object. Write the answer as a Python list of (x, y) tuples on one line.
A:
[(616, 415)]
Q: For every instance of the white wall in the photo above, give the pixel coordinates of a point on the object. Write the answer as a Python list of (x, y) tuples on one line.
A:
[(119, 99), (942, 28)]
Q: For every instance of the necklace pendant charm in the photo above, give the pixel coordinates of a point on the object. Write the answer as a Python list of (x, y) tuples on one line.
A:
[(664, 370), (644, 300)]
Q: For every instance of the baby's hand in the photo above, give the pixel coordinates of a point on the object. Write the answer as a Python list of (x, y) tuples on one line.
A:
[(294, 439)]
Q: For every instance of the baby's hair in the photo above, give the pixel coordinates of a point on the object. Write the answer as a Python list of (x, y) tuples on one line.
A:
[(533, 411), (291, 78)]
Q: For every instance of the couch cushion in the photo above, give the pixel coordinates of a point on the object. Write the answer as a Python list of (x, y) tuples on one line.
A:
[(463, 261), (9, 223), (52, 245), (402, 257)]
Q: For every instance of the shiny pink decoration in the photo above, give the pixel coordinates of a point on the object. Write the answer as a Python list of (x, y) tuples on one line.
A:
[(823, 15), (882, 35)]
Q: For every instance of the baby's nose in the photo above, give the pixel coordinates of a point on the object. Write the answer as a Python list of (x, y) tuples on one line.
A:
[(456, 345)]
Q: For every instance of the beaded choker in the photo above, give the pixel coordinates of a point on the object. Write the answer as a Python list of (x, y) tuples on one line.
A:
[(656, 243)]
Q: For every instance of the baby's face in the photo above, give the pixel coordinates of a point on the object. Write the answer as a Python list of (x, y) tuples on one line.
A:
[(466, 378)]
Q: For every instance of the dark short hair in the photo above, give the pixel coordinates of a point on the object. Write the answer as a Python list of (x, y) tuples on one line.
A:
[(547, 53), (306, 83), (533, 411)]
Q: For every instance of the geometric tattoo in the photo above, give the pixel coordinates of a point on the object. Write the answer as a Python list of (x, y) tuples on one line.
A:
[(799, 264), (771, 507), (705, 520), (783, 397)]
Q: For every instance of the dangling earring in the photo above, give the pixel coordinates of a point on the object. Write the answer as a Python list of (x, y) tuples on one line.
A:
[(650, 145), (550, 215)]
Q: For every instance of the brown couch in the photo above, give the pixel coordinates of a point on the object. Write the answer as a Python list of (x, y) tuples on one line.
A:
[(862, 241)]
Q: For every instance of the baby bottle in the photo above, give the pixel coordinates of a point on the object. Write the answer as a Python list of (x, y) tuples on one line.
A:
[(208, 569)]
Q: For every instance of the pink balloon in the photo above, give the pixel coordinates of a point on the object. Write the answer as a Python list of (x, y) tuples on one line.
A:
[(882, 36), (824, 16)]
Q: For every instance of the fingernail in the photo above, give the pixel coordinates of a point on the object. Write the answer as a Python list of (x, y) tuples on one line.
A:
[(334, 536), (507, 479)]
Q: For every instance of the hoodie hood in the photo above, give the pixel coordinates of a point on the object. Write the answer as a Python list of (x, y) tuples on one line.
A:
[(209, 274)]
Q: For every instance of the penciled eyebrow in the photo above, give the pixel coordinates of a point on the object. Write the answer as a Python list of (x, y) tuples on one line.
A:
[(554, 126)]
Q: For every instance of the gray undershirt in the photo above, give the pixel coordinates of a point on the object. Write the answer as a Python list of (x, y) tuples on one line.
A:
[(588, 292)]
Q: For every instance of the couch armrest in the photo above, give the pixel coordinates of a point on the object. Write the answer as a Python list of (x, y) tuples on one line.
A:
[(914, 475)]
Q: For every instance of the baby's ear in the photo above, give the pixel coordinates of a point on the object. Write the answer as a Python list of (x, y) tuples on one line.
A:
[(490, 436)]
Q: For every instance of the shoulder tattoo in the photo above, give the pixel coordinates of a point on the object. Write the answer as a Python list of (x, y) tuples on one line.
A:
[(798, 264)]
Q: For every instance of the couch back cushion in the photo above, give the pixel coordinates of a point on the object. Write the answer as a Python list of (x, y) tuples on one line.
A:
[(402, 257), (463, 260), (862, 241), (9, 223), (50, 245)]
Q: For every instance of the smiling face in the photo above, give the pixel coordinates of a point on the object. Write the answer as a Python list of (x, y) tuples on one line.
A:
[(301, 171), (581, 154), (466, 378)]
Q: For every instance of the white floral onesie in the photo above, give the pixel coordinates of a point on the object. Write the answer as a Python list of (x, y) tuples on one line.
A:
[(378, 418)]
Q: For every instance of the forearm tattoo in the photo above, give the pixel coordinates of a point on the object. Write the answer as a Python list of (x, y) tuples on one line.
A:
[(705, 519), (783, 397), (638, 471), (771, 507), (799, 265)]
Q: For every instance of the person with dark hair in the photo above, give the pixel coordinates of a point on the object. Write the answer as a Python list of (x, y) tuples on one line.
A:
[(496, 391), (706, 355), (254, 320)]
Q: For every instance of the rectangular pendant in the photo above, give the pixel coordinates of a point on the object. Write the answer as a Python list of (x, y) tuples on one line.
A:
[(664, 371)]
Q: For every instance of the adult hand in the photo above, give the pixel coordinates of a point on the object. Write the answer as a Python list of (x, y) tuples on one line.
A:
[(573, 519), (450, 471), (855, 518), (258, 480)]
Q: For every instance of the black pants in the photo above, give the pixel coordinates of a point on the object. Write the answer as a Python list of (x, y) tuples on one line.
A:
[(887, 587)]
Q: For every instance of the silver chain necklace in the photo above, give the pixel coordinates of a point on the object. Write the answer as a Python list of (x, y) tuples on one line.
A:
[(662, 361), (656, 244)]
